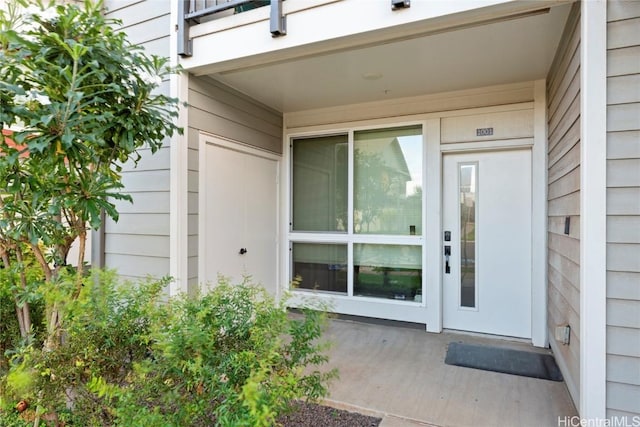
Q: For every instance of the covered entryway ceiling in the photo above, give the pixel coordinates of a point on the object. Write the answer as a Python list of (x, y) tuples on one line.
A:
[(510, 51)]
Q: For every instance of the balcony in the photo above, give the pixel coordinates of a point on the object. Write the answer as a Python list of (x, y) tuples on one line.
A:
[(198, 11)]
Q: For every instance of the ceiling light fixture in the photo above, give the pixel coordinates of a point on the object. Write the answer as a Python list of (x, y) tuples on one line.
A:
[(400, 4), (372, 76)]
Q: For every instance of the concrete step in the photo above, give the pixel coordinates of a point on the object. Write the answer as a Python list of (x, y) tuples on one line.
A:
[(388, 420), (395, 421)]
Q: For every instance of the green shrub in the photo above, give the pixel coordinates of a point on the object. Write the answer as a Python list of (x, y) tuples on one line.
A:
[(12, 419), (103, 334), (131, 357), (9, 329), (81, 101), (10, 337), (231, 357)]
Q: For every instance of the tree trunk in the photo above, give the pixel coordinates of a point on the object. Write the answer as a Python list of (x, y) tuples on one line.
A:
[(22, 313), (53, 320), (26, 311), (37, 252), (82, 238)]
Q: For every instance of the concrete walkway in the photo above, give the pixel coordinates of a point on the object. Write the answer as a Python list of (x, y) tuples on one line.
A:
[(399, 374)]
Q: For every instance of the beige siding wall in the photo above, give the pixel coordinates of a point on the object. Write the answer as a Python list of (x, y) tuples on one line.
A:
[(405, 107), (563, 161), (623, 208), (221, 111), (138, 244)]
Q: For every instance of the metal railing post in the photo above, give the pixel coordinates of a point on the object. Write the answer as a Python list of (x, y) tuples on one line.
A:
[(278, 20), (188, 14), (185, 45)]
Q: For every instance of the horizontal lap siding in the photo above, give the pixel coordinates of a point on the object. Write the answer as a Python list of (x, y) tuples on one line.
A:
[(447, 101), (623, 209), (563, 177), (220, 110), (137, 244)]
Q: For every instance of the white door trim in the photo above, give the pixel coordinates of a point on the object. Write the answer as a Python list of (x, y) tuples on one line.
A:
[(205, 139), (539, 327)]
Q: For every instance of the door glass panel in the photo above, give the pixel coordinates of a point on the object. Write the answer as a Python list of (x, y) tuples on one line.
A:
[(468, 175), (387, 271), (388, 181), (320, 267), (320, 184)]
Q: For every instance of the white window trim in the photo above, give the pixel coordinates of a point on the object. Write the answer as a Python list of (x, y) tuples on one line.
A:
[(349, 238)]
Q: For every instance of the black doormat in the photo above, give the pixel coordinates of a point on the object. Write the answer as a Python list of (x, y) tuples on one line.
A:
[(505, 360)]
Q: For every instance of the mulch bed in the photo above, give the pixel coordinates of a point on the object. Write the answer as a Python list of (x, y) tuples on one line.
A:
[(303, 415), (314, 415)]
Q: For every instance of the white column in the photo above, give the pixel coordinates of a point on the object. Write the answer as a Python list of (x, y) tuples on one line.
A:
[(433, 230), (539, 334), (593, 181), (179, 215)]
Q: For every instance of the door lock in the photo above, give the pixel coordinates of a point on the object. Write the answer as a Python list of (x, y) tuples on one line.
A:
[(447, 254), (243, 251)]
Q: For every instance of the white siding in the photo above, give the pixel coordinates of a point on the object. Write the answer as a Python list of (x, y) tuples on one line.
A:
[(563, 178), (219, 110), (623, 209), (138, 244)]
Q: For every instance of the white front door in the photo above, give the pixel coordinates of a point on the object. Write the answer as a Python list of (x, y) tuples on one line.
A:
[(486, 242), (240, 208)]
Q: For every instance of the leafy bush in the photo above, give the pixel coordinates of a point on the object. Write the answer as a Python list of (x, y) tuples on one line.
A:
[(12, 295), (81, 101), (230, 357)]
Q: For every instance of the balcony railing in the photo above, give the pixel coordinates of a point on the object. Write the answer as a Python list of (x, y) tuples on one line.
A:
[(192, 12)]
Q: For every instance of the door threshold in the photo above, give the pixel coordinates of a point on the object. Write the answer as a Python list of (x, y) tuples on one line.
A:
[(506, 339), (370, 320)]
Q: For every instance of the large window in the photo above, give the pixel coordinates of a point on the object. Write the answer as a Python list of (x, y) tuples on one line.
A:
[(320, 184), (321, 267), (388, 181), (357, 215), (387, 271)]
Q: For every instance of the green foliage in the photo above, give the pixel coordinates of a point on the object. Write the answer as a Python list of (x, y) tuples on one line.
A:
[(12, 419), (81, 101), (131, 357), (85, 101), (232, 356), (12, 294)]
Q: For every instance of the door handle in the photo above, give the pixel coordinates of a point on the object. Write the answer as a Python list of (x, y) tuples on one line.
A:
[(243, 251), (447, 254)]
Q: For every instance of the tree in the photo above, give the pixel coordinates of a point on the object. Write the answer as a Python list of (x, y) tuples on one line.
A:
[(81, 100), (371, 189)]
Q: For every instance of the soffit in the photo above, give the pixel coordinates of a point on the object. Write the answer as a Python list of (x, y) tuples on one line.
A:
[(512, 51)]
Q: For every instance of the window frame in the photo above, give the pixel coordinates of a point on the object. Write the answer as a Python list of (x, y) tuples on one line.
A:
[(350, 237)]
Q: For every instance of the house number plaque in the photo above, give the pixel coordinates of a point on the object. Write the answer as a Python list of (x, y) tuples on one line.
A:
[(484, 131)]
